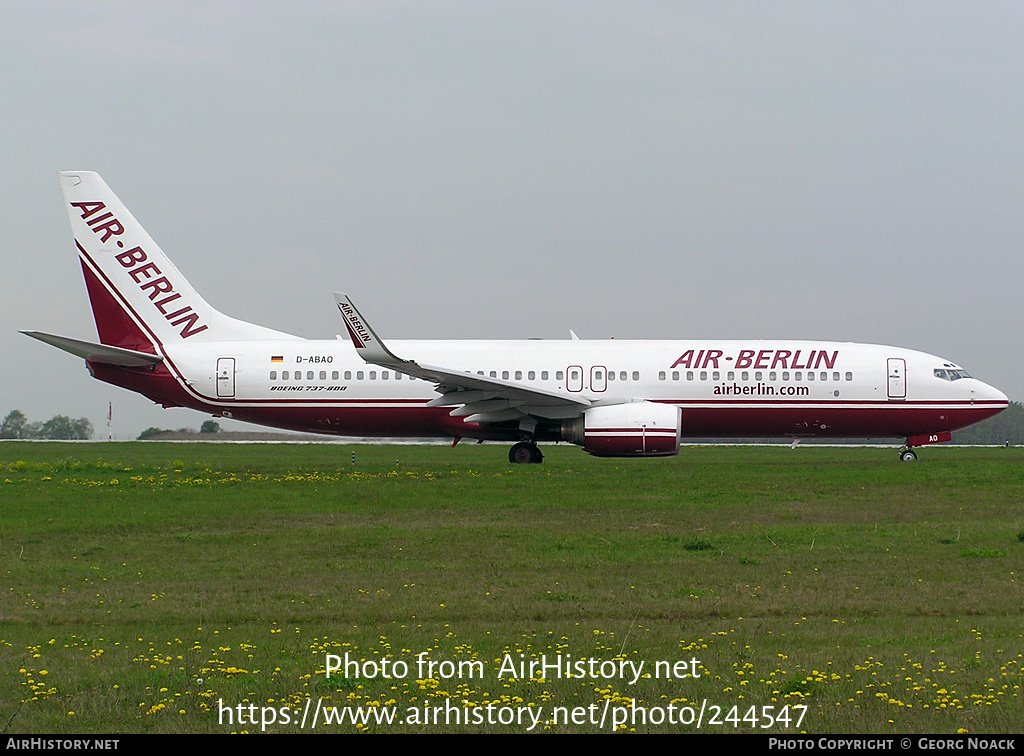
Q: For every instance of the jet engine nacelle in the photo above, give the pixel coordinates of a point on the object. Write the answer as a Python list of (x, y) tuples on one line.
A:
[(636, 429)]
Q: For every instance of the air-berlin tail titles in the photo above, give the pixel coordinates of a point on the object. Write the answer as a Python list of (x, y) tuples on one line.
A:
[(146, 274)]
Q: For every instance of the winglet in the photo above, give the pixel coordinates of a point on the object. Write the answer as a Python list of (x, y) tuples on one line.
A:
[(367, 343)]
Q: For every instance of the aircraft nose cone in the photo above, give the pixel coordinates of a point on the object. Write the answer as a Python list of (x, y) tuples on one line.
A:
[(987, 393)]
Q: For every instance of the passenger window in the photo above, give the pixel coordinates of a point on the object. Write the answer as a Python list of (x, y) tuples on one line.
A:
[(284, 375), (835, 376), (359, 375), (309, 375), (810, 375), (373, 375), (689, 375), (519, 375), (334, 375), (384, 375), (398, 376), (611, 375), (598, 374), (772, 376), (798, 376), (849, 376), (273, 375), (348, 375), (636, 375), (731, 375), (323, 375), (543, 375), (785, 375), (714, 376), (703, 375), (298, 375), (574, 375), (824, 375), (559, 375), (532, 375), (744, 376), (493, 374), (675, 375), (757, 375), (661, 375)]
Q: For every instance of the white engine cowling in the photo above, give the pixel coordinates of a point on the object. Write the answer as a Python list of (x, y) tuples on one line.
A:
[(636, 429)]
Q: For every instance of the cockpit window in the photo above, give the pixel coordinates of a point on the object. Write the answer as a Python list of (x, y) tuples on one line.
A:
[(950, 375)]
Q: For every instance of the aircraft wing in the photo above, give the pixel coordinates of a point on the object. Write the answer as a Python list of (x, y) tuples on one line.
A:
[(110, 355), (477, 398)]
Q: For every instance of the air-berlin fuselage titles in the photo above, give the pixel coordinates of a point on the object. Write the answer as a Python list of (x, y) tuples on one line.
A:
[(759, 359), (615, 398)]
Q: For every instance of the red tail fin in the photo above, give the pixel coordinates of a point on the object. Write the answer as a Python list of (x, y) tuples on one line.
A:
[(113, 324)]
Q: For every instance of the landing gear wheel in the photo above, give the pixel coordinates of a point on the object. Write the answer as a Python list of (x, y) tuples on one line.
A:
[(525, 453), (908, 455)]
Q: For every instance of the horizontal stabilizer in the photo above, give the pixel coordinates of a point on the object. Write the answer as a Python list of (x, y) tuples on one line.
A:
[(109, 355)]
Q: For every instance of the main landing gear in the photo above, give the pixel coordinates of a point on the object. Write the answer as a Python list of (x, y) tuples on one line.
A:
[(908, 455), (525, 453)]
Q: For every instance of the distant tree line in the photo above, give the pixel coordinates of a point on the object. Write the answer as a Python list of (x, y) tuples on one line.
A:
[(1007, 426), (57, 428), (154, 431), (210, 426)]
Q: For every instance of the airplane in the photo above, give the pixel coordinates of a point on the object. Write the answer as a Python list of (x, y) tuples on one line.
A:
[(614, 398)]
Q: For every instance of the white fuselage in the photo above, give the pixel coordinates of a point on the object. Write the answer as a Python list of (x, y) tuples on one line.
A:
[(725, 388)]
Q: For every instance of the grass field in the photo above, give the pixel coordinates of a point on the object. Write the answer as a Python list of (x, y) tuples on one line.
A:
[(147, 586)]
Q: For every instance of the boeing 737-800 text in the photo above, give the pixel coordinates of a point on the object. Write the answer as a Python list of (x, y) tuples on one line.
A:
[(614, 398)]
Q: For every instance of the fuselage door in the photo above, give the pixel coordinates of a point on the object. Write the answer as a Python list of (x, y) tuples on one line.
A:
[(598, 378), (897, 372), (226, 377), (574, 378)]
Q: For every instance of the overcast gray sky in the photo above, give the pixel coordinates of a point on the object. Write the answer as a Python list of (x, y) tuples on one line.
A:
[(846, 171)]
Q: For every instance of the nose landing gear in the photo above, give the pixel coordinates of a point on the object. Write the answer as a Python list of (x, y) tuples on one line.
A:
[(907, 455), (907, 450)]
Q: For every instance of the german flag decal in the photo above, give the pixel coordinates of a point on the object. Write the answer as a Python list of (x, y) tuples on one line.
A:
[(277, 358)]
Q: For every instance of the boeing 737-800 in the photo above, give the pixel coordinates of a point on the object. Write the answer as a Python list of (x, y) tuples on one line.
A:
[(614, 398)]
